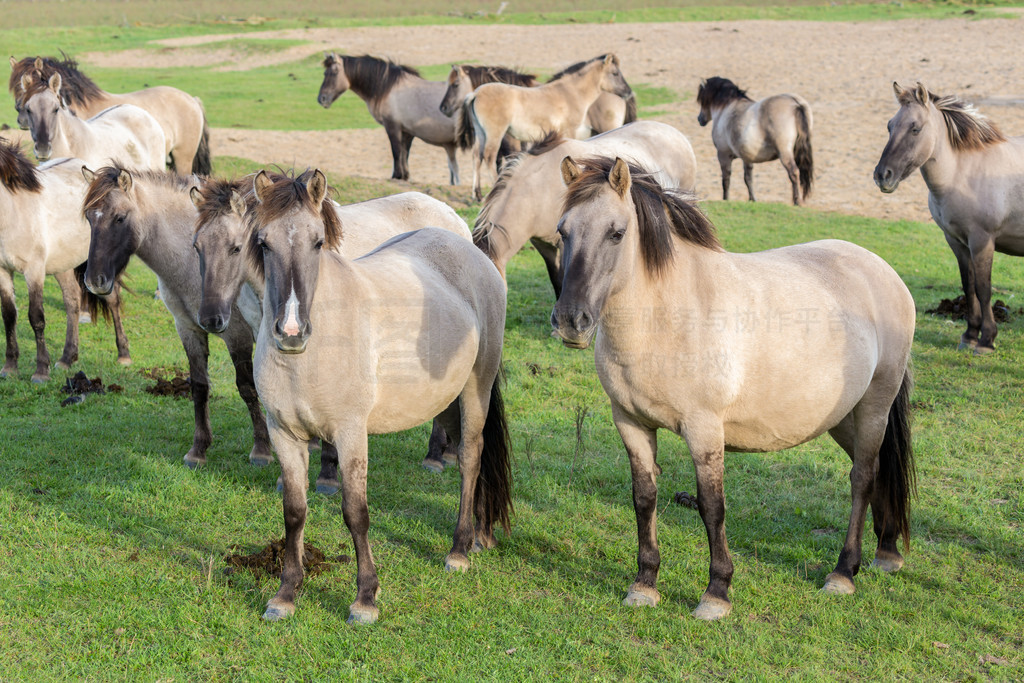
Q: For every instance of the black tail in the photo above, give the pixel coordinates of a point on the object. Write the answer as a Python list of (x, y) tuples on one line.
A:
[(802, 150), (896, 478), (465, 135), (201, 162), (96, 305), (494, 485), (630, 109)]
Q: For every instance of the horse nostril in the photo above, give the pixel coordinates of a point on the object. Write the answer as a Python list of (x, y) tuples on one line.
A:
[(581, 321)]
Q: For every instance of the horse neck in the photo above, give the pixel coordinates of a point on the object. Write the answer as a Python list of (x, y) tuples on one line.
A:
[(70, 133), (523, 210), (585, 85), (941, 170), (361, 88)]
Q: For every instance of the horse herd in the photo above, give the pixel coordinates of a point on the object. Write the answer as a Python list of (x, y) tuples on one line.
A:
[(343, 321)]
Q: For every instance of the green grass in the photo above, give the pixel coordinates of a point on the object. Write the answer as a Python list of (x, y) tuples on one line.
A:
[(112, 552)]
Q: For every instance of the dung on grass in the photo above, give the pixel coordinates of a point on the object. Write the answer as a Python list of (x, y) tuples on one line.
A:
[(270, 560)]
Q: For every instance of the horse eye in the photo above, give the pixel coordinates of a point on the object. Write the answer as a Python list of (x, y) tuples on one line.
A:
[(617, 236), (119, 220), (319, 245), (236, 250), (915, 130)]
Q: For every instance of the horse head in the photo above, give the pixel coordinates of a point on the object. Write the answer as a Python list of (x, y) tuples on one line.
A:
[(459, 88), (335, 82), (913, 133), (219, 240), (110, 206), (41, 105), (612, 79)]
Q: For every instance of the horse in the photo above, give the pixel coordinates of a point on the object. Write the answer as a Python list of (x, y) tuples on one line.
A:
[(975, 179), (530, 114), (736, 352), (42, 233), (379, 344), (150, 214), (220, 234), (122, 131), (609, 111), (777, 127), (181, 116), (526, 202), (399, 99)]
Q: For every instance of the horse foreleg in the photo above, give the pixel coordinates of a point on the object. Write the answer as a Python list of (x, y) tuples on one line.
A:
[(240, 350), (352, 459), (982, 250), (725, 163), (437, 448), (641, 445), (294, 458), (197, 350), (969, 339), (9, 309), (398, 151), (37, 319), (748, 179), (72, 295), (550, 253), (113, 300), (708, 452), (453, 164)]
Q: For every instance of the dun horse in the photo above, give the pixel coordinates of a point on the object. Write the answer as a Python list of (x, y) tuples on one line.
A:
[(220, 237), (398, 99), (975, 178), (42, 233), (526, 202), (123, 131), (740, 352), (180, 115), (530, 114), (379, 344), (777, 127)]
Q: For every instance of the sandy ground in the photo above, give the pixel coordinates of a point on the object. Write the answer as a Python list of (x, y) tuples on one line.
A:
[(845, 71)]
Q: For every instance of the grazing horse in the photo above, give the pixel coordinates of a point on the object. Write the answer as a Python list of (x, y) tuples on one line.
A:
[(398, 99), (736, 352), (42, 233), (777, 127), (975, 179), (526, 202), (530, 114), (150, 214), (123, 131), (180, 115), (220, 237), (376, 345)]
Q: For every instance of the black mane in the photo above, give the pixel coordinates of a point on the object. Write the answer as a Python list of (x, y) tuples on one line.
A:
[(372, 77), (16, 171), (717, 91)]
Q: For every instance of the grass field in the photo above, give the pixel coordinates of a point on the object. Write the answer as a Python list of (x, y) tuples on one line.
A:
[(112, 551)]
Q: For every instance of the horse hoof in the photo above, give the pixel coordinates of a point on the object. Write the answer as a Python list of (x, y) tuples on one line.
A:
[(8, 372), (837, 584), (260, 459), (124, 360), (327, 487), (641, 596), (887, 562), (63, 365), (967, 345), (278, 611), (434, 466), (192, 462), (983, 350), (450, 458), (362, 615), (456, 563), (481, 543), (40, 378), (280, 484), (711, 608)]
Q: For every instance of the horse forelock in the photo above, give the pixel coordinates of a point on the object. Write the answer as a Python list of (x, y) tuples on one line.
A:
[(17, 172), (373, 77), (76, 87), (717, 91), (215, 197), (105, 182), (660, 213), (287, 192)]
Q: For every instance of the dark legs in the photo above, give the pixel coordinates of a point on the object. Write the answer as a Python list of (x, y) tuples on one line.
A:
[(550, 253), (198, 351), (725, 161), (72, 295), (294, 458), (748, 179), (975, 262), (441, 450), (400, 144), (794, 176), (241, 357), (9, 309), (453, 164)]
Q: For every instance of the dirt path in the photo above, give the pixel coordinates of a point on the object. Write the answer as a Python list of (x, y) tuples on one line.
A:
[(844, 70)]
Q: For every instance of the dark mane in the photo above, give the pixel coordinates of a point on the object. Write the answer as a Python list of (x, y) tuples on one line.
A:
[(660, 213), (578, 66), (717, 91), (372, 77), (76, 87), (284, 193), (215, 196), (966, 127), (550, 140), (478, 75), (16, 171), (105, 182)]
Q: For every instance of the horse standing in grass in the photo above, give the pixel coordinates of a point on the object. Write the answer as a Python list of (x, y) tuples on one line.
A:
[(124, 131), (180, 115), (376, 345), (42, 233), (398, 99), (530, 114), (526, 202), (777, 127), (739, 352), (975, 179)]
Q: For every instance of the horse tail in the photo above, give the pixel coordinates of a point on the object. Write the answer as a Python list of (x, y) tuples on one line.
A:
[(630, 116), (802, 148), (494, 485), (201, 162), (896, 480), (96, 305), (465, 134)]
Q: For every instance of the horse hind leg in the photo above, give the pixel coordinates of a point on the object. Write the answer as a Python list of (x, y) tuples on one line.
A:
[(748, 179), (969, 339), (453, 164), (9, 309), (241, 358), (982, 250), (725, 162), (197, 350), (72, 295), (37, 320)]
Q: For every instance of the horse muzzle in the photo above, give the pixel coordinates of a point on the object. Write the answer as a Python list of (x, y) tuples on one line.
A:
[(215, 321), (98, 284), (42, 152), (702, 120), (325, 100), (575, 328), (886, 180), (288, 342)]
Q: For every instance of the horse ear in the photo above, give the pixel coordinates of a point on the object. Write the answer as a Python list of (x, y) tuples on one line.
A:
[(922, 93), (87, 174), (610, 58), (317, 187), (39, 64), (196, 196), (619, 177), (260, 184), (898, 90), (55, 83), (570, 171), (124, 180), (14, 62), (26, 81), (237, 203)]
